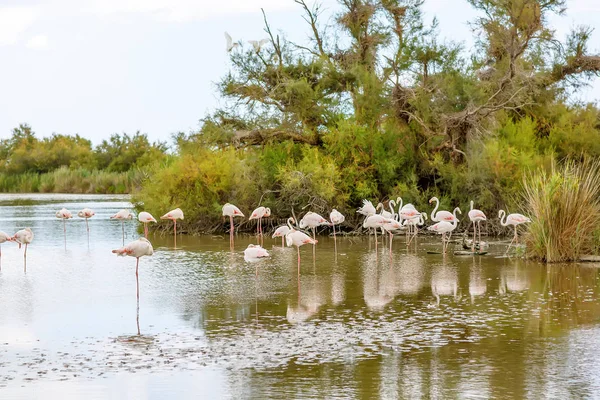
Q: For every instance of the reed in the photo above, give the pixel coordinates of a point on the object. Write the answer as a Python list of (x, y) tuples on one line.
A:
[(564, 205), (65, 180)]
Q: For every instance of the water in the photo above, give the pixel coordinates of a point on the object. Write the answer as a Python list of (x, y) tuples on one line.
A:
[(359, 325)]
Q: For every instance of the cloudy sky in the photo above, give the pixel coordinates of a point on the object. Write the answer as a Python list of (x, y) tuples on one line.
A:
[(97, 67)]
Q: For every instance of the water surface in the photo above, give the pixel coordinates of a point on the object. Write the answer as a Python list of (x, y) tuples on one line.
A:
[(359, 324)]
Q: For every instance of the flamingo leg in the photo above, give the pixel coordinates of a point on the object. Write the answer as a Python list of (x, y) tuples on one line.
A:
[(282, 242), (231, 240), (175, 233), (25, 259), (137, 281), (334, 240), (298, 248), (314, 238), (65, 231), (123, 231), (375, 229), (391, 239), (479, 232), (87, 226)]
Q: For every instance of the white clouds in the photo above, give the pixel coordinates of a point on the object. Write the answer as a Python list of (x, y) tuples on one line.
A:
[(38, 42), (183, 10), (14, 21)]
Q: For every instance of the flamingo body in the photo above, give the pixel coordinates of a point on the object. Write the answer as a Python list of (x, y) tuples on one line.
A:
[(254, 253)]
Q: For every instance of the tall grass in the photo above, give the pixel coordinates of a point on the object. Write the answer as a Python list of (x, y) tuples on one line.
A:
[(564, 205), (65, 180)]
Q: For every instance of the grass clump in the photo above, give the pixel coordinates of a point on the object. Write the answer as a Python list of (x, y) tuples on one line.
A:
[(564, 205)]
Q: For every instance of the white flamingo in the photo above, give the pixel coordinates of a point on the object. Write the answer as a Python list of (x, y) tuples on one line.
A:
[(476, 216), (229, 210), (442, 228), (137, 248), (514, 220), (174, 215), (145, 218), (24, 236), (122, 215), (64, 214)]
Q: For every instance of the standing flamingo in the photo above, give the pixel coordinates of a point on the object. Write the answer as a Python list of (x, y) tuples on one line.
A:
[(441, 215), (476, 216), (442, 228), (137, 248), (375, 221), (64, 214), (259, 214), (24, 236), (4, 237), (514, 220), (390, 227), (414, 223), (336, 218), (281, 232), (122, 216), (254, 253), (229, 210), (174, 215), (87, 214), (145, 218), (312, 220), (367, 209), (298, 238)]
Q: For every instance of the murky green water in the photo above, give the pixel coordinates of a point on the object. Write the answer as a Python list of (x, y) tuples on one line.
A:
[(359, 325)]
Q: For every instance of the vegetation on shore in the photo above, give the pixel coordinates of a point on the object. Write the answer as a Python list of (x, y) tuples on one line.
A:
[(69, 164), (377, 105), (564, 205)]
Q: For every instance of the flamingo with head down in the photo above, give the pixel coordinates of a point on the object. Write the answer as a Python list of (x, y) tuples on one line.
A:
[(145, 218), (174, 215), (229, 210), (122, 215)]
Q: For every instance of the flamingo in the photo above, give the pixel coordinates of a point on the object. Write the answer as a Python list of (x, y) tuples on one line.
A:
[(336, 218), (123, 215), (87, 214), (259, 214), (298, 238), (281, 232), (64, 214), (414, 224), (514, 220), (254, 253), (442, 228), (137, 248), (230, 45), (312, 220), (4, 237), (174, 215), (145, 218), (390, 227), (375, 221), (23, 236), (441, 215), (367, 209), (229, 210), (476, 216)]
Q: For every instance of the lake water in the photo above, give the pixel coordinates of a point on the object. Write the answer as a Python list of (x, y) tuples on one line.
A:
[(356, 325)]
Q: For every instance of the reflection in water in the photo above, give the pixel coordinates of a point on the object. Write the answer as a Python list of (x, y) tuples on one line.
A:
[(355, 325)]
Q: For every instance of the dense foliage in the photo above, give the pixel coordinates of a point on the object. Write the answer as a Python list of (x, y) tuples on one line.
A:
[(63, 163), (376, 106)]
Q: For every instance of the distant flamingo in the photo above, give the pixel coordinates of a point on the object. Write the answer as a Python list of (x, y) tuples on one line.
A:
[(145, 218), (259, 214), (4, 237), (441, 215), (336, 218), (414, 223), (442, 228), (229, 210), (64, 214), (87, 214), (137, 248), (122, 216), (24, 236), (174, 215), (514, 220), (281, 232), (476, 216), (298, 238)]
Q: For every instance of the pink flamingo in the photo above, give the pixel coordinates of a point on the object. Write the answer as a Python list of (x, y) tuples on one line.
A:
[(145, 218), (24, 236), (336, 218), (281, 232), (514, 220), (441, 215), (259, 214), (413, 225), (64, 214), (122, 216), (87, 214), (4, 237), (476, 216), (174, 215), (375, 221), (229, 210), (390, 227), (255, 253), (298, 238), (137, 248), (442, 228)]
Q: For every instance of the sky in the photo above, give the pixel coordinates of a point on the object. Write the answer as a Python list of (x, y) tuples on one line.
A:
[(98, 67)]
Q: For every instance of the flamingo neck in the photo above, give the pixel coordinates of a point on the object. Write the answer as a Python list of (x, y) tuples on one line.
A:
[(472, 205), (503, 218), (437, 204), (391, 204)]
